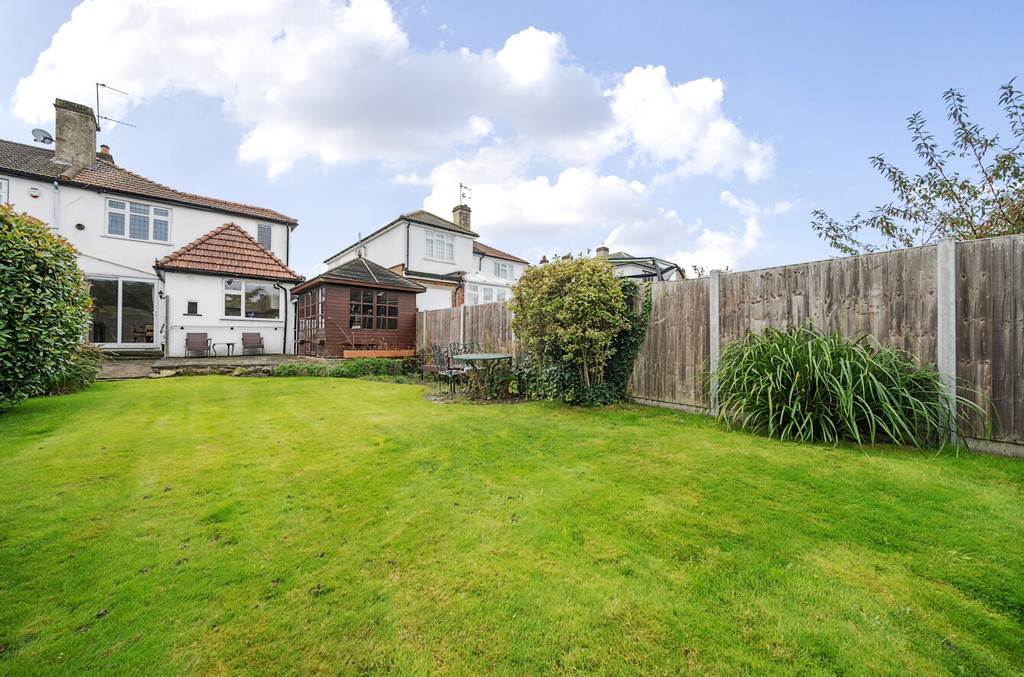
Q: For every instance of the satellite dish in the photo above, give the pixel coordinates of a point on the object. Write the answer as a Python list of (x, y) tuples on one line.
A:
[(42, 136)]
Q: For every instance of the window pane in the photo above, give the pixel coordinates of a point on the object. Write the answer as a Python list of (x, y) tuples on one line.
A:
[(115, 223), (115, 204), (136, 312), (233, 285), (501, 295), (392, 298), (160, 228), (368, 296), (382, 310), (392, 323), (368, 309), (392, 311), (355, 294), (262, 300), (488, 294), (138, 227), (381, 322), (104, 311), (232, 305), (165, 213), (353, 322), (263, 235), (138, 209), (354, 308), (450, 251)]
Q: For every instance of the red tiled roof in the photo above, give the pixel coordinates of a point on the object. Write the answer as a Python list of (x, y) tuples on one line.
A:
[(479, 248), (228, 250), (105, 175)]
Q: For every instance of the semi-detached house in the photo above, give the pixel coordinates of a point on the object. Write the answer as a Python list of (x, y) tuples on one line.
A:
[(160, 263)]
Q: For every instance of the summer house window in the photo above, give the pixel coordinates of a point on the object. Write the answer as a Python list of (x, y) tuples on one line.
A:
[(373, 309), (439, 247), (264, 235), (259, 300), (138, 221)]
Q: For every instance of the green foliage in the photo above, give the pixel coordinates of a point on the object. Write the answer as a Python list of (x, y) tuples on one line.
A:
[(802, 384), (81, 372), (359, 367), (570, 311), (558, 367), (986, 201), (300, 369), (44, 311)]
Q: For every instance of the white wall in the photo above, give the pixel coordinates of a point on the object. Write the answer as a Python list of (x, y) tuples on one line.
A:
[(112, 257), (434, 298), (208, 292)]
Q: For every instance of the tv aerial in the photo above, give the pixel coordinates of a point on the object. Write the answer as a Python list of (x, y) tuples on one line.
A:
[(463, 193), (42, 136), (102, 117)]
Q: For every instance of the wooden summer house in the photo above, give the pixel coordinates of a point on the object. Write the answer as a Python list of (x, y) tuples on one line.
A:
[(356, 309)]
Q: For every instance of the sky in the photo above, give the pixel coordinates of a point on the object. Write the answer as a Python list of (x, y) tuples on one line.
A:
[(700, 132)]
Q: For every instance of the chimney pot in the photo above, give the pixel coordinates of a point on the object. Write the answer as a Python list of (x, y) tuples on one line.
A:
[(105, 148)]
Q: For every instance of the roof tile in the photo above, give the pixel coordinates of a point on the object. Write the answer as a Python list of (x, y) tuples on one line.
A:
[(228, 250), (362, 271), (480, 248)]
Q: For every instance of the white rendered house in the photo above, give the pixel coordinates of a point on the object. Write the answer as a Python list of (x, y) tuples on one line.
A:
[(441, 255), (122, 224)]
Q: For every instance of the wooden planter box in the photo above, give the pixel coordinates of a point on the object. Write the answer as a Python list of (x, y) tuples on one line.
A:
[(378, 353)]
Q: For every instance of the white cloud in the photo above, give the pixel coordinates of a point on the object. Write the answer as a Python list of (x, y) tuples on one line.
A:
[(337, 82)]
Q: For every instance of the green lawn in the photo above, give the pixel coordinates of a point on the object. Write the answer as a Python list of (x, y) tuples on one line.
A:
[(273, 526)]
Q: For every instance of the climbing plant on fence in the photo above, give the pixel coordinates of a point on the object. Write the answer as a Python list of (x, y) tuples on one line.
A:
[(577, 321)]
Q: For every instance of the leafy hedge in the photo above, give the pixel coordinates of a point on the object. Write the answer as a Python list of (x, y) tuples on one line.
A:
[(575, 319), (44, 312), (358, 367), (801, 384)]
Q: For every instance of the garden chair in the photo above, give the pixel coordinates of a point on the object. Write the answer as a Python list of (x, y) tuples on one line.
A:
[(197, 343), (442, 359), (252, 341)]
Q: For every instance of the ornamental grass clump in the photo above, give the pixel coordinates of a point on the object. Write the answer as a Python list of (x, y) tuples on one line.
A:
[(801, 384)]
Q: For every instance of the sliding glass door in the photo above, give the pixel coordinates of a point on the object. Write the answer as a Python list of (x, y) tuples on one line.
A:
[(122, 311)]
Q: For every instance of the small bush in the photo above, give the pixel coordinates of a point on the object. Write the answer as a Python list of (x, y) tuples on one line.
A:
[(80, 373), (800, 384), (300, 369)]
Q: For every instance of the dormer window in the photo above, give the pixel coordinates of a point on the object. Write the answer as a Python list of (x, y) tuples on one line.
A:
[(138, 221), (439, 247)]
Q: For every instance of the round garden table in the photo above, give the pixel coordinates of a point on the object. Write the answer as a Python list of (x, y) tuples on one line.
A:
[(488, 360)]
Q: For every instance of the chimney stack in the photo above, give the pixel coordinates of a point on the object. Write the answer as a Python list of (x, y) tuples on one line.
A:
[(602, 252), (76, 134), (460, 216)]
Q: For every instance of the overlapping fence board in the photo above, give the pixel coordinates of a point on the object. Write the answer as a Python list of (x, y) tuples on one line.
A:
[(893, 296)]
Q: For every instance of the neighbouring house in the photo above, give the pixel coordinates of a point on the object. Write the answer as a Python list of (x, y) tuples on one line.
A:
[(159, 262), (442, 256), (642, 268), (355, 307), (495, 272)]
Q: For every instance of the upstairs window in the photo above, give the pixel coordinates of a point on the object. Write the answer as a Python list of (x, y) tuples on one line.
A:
[(5, 196), (502, 270), (439, 247), (264, 235), (138, 221)]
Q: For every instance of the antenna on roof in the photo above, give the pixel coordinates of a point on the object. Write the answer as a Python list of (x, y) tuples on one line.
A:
[(101, 117), (463, 193)]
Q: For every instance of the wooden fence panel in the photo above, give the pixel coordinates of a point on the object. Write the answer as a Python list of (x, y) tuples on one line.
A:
[(490, 325), (437, 327)]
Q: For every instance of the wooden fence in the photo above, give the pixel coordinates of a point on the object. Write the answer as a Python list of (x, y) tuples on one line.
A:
[(962, 310)]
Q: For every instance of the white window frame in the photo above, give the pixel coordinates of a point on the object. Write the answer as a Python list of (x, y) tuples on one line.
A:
[(240, 293), (472, 295), (502, 270), (125, 210), (269, 245), (488, 295), (434, 241), (500, 295), (5, 191)]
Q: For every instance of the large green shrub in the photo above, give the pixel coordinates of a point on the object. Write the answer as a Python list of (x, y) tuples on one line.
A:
[(801, 384), (44, 311), (576, 321)]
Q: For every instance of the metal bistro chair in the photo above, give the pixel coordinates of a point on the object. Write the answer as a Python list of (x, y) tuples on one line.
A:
[(197, 343), (445, 369)]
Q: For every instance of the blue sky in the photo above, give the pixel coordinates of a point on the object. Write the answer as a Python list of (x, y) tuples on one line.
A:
[(700, 132)]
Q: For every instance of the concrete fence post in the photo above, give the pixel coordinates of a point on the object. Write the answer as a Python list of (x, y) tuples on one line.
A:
[(945, 333), (714, 296), (462, 323)]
